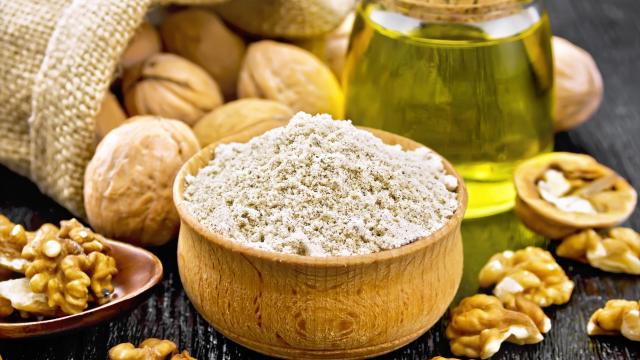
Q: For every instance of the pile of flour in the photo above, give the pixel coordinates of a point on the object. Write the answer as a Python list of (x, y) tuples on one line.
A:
[(321, 187)]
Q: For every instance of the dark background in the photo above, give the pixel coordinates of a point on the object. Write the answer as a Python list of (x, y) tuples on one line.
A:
[(608, 29)]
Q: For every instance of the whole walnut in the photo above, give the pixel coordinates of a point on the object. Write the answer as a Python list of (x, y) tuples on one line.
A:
[(332, 47), (110, 116), (256, 115), (144, 43), (128, 182), (578, 85), (285, 18), (200, 36), (170, 86), (290, 75)]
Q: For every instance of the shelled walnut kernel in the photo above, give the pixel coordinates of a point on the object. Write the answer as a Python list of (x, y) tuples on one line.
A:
[(67, 264), (617, 317), (615, 250), (149, 349), (532, 273), (480, 324), (12, 239)]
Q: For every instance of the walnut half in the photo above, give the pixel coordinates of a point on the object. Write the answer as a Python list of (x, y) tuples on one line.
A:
[(531, 273), (617, 317), (561, 193), (480, 324), (615, 250)]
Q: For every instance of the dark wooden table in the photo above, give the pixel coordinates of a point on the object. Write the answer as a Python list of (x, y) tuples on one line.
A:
[(610, 30)]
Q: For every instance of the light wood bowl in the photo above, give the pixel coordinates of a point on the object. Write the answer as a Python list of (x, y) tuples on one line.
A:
[(297, 307)]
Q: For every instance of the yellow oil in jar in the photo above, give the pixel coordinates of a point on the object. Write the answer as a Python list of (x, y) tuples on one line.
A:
[(478, 93)]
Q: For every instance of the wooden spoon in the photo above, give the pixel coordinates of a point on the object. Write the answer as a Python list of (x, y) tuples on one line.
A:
[(138, 271)]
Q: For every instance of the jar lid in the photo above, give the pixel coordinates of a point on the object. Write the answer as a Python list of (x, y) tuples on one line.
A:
[(458, 11)]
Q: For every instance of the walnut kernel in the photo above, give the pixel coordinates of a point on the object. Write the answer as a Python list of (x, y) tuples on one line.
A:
[(532, 273), (149, 349), (615, 250), (480, 324), (617, 317)]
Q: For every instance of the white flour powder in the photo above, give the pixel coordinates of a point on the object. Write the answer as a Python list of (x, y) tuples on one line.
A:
[(321, 187)]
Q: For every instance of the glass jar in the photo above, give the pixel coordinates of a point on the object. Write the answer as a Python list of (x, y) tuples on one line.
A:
[(471, 79)]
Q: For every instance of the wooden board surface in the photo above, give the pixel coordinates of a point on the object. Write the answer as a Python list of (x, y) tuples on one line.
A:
[(609, 30)]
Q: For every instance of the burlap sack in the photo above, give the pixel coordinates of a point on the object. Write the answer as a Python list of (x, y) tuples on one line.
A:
[(57, 59)]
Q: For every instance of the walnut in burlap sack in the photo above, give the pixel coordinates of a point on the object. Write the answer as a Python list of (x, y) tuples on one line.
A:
[(57, 59)]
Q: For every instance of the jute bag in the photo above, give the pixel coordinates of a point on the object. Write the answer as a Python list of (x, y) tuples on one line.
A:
[(57, 59)]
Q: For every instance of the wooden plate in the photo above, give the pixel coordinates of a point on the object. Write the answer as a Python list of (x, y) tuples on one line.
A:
[(138, 271)]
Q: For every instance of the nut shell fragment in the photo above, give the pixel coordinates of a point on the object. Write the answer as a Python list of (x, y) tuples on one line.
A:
[(617, 317), (611, 195), (170, 86), (480, 324)]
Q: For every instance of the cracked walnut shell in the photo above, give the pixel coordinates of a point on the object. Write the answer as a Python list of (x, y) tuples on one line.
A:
[(546, 205), (149, 349), (617, 317), (128, 183), (170, 86), (615, 250), (290, 75), (532, 273), (480, 324)]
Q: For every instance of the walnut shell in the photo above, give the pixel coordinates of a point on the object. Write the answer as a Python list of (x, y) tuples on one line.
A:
[(201, 37), (614, 203), (170, 86), (255, 115), (292, 76), (578, 85), (145, 42), (110, 116), (128, 182), (285, 18), (331, 48)]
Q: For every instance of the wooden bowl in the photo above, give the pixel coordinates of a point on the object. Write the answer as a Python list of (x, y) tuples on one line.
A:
[(294, 306), (138, 271)]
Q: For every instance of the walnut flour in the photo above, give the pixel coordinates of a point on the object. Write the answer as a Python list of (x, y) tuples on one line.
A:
[(321, 187)]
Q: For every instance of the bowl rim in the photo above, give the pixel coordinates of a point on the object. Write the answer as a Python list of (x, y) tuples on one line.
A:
[(314, 261)]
